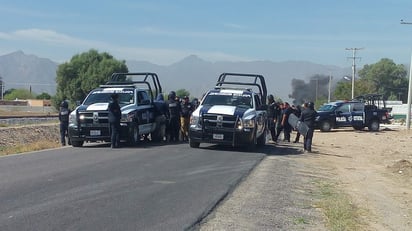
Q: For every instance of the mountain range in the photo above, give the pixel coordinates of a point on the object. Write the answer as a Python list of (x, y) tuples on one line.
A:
[(19, 70)]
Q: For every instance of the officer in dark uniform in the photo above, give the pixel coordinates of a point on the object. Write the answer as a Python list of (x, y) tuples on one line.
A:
[(287, 128), (162, 111), (64, 113), (114, 119), (308, 117), (297, 110), (271, 117), (174, 120), (195, 103), (187, 109), (278, 118)]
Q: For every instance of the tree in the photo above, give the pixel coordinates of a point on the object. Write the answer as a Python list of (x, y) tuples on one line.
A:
[(19, 94), (43, 95), (84, 72), (387, 78), (383, 77), (182, 92)]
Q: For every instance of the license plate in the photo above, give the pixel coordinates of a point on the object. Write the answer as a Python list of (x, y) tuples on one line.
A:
[(218, 136), (95, 132)]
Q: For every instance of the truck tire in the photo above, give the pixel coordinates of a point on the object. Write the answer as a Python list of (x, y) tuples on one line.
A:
[(261, 141), (374, 126), (77, 143), (158, 134), (325, 126), (134, 136), (193, 144)]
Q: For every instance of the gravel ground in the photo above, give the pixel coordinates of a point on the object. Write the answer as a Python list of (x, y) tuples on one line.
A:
[(277, 195), (17, 135)]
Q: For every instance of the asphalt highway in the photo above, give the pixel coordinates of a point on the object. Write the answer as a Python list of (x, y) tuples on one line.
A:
[(147, 187)]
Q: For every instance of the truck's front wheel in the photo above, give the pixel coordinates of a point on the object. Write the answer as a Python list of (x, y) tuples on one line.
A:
[(325, 126), (262, 139), (134, 136), (193, 144), (77, 143)]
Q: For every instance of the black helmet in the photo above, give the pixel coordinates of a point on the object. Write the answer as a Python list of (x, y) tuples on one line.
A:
[(64, 104), (172, 95), (271, 98), (311, 105)]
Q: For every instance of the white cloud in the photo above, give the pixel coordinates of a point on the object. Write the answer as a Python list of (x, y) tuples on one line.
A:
[(49, 36), (49, 39)]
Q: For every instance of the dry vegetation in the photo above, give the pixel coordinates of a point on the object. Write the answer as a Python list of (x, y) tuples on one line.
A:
[(18, 139)]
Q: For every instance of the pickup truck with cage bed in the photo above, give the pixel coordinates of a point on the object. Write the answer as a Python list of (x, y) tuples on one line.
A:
[(363, 111), (89, 121), (232, 113)]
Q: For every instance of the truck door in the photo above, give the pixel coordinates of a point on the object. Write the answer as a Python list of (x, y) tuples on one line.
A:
[(145, 112), (261, 115), (343, 115), (358, 114)]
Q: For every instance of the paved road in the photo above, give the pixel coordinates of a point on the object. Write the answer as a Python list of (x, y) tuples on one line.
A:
[(168, 187)]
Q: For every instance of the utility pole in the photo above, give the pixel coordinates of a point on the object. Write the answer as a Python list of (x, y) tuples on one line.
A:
[(353, 67), (330, 80), (408, 112)]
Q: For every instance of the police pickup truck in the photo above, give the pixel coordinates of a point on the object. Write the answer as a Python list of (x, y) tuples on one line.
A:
[(363, 111), (232, 113), (89, 121)]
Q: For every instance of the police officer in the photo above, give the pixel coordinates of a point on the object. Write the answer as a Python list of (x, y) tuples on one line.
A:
[(114, 119), (195, 103), (187, 109), (163, 111), (271, 117), (308, 117), (173, 127), (278, 120), (287, 128), (297, 110), (64, 113)]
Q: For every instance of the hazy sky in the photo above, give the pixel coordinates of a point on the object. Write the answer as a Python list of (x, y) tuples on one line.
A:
[(165, 31)]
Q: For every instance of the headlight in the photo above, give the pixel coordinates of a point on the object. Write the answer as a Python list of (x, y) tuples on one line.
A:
[(73, 118), (194, 120), (127, 117), (249, 123), (245, 124)]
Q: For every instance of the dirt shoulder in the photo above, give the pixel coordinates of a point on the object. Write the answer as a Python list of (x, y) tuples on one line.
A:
[(374, 168)]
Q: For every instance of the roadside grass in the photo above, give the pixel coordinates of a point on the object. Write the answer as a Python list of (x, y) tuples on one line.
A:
[(341, 214), (35, 146)]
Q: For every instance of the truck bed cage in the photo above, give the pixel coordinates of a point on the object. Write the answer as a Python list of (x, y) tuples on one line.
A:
[(149, 79), (257, 81), (372, 99)]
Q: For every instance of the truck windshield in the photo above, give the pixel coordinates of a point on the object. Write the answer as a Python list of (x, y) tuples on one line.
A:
[(240, 100), (125, 97), (327, 107)]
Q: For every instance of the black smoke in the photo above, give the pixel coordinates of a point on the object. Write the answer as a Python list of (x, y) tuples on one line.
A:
[(316, 88)]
